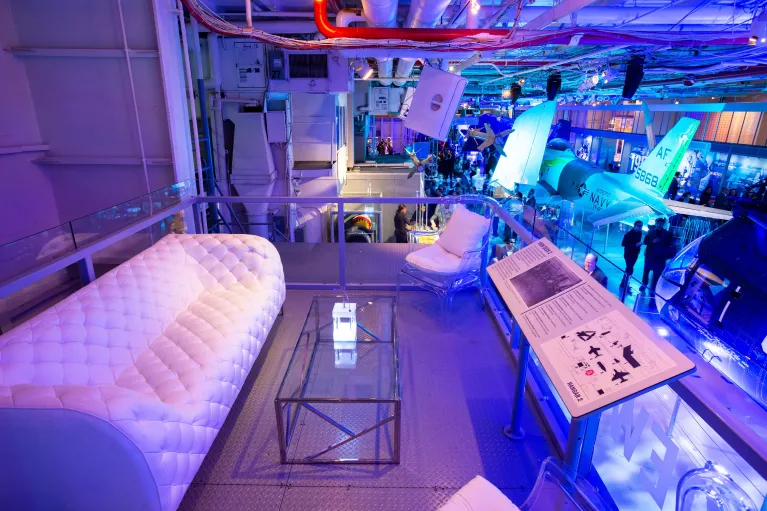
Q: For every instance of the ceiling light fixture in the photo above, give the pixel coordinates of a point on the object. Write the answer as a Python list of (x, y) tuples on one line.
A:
[(362, 68), (521, 81)]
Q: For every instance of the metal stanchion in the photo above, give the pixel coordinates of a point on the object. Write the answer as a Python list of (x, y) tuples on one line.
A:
[(514, 429)]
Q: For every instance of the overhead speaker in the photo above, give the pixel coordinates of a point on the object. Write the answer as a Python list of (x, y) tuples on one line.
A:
[(434, 103), (634, 75), (516, 92), (553, 85)]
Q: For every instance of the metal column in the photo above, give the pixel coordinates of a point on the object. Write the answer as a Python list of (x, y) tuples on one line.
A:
[(514, 429)]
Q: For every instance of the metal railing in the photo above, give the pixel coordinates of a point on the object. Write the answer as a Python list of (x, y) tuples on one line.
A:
[(696, 392)]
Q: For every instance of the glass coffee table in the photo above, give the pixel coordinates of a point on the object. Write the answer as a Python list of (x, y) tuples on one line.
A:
[(339, 401)]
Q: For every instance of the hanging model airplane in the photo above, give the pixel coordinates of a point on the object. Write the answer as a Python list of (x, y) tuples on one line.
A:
[(418, 165), (490, 138), (557, 174), (610, 197)]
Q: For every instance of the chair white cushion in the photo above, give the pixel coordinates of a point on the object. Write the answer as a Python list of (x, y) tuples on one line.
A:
[(464, 231), (158, 348), (479, 495), (435, 259)]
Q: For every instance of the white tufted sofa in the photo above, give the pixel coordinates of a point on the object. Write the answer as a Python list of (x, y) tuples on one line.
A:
[(111, 398)]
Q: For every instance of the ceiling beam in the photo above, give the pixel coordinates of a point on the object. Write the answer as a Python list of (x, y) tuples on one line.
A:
[(557, 12)]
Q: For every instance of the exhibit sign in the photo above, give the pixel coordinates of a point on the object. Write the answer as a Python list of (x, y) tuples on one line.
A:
[(594, 349)]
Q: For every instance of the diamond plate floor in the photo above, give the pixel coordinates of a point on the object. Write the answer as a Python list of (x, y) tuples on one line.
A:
[(456, 381)]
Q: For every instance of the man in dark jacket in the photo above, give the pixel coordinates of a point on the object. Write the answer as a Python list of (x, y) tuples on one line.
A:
[(660, 248), (632, 244), (673, 188)]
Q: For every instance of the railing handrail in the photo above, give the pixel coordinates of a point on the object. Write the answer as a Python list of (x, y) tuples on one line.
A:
[(741, 437)]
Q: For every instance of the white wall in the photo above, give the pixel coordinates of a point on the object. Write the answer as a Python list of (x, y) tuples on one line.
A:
[(84, 106), (26, 195)]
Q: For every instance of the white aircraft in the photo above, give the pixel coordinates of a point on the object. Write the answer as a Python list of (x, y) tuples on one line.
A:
[(557, 174)]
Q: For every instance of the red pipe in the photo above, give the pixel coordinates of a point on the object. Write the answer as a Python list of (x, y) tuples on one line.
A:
[(522, 37), (413, 34)]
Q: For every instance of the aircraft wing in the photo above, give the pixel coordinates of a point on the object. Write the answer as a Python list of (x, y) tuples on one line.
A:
[(682, 208), (629, 208)]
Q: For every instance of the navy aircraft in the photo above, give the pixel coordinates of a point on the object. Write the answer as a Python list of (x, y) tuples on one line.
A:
[(557, 174), (610, 197)]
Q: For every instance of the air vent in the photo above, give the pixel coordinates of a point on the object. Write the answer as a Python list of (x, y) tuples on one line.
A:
[(308, 65)]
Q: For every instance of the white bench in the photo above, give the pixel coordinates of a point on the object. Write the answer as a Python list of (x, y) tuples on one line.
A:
[(112, 398)]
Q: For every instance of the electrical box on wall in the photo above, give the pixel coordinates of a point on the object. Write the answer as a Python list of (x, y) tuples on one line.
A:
[(314, 71), (276, 65), (384, 100), (243, 65), (435, 102), (249, 62)]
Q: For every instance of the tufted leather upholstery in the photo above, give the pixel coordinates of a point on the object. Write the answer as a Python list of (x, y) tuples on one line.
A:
[(159, 347)]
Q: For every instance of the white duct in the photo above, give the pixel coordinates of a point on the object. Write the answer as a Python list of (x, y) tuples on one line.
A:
[(612, 16), (422, 14), (381, 13)]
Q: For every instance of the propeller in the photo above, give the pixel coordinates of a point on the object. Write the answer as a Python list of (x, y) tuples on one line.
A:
[(490, 138), (418, 165)]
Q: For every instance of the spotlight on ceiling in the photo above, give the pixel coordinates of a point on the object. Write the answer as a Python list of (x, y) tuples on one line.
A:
[(758, 30), (506, 93), (362, 68), (634, 75), (521, 81), (595, 79), (609, 74), (676, 101), (553, 85)]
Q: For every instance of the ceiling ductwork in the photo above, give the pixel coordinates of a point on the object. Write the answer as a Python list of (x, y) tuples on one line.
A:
[(381, 13), (377, 14), (422, 14)]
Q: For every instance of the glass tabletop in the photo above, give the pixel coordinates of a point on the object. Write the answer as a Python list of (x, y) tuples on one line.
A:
[(347, 357)]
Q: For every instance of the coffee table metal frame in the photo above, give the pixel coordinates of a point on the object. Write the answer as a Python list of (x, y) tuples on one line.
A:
[(291, 406)]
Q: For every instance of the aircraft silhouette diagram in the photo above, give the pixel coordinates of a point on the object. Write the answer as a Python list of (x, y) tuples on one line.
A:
[(620, 375), (595, 351)]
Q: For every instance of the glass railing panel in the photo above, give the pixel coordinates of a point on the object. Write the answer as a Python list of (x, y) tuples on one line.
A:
[(34, 251), (100, 224)]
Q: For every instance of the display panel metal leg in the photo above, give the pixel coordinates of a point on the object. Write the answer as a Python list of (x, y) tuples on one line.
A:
[(580, 444), (589, 441), (514, 429), (575, 436)]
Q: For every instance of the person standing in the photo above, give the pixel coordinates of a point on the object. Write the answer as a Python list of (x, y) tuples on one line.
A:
[(401, 225), (632, 245), (673, 188), (659, 249), (705, 196), (720, 202)]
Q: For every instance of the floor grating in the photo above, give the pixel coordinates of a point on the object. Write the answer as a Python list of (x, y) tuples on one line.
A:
[(457, 383)]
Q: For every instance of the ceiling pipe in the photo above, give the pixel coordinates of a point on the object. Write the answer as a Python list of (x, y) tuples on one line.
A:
[(422, 13), (407, 33), (561, 10), (522, 39), (381, 13), (442, 39)]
